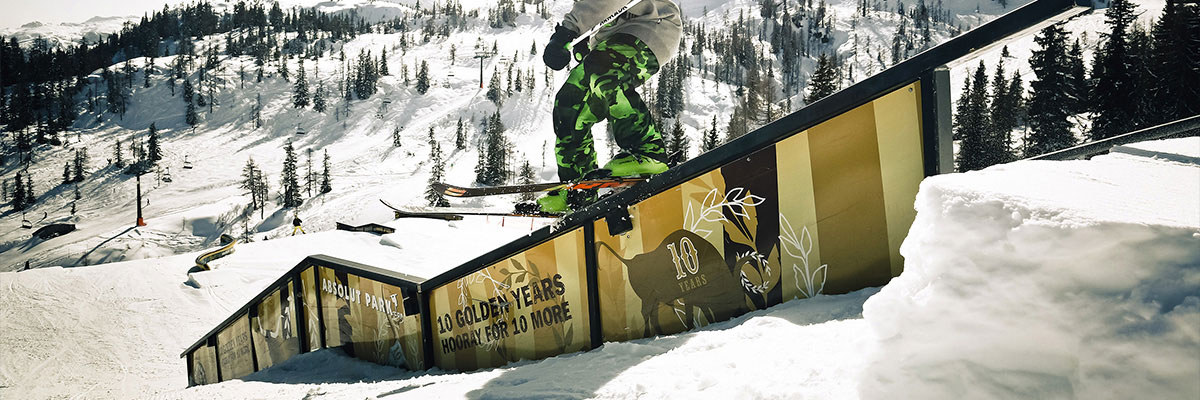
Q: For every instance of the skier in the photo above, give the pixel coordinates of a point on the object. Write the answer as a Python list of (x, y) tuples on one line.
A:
[(296, 225), (618, 58)]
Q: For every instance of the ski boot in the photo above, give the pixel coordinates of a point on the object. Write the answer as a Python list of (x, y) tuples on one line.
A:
[(563, 201), (630, 165)]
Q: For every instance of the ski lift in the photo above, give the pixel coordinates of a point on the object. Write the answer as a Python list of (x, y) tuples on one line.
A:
[(300, 130), (25, 223), (383, 106), (186, 164), (167, 176)]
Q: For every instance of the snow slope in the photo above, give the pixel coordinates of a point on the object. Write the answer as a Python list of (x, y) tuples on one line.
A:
[(1045, 279)]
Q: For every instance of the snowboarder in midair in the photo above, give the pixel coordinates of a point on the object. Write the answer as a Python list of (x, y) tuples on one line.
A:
[(618, 58)]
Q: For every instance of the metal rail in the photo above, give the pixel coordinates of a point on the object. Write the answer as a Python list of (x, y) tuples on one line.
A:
[(1189, 126)]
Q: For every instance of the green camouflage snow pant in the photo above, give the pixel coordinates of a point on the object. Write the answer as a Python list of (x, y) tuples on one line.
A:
[(600, 87)]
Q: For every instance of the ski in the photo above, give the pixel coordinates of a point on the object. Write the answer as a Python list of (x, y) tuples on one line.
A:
[(452, 215), (602, 183)]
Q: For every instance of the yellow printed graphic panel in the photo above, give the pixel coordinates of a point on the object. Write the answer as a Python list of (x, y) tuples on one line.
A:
[(369, 318), (273, 329), (529, 306), (822, 211), (234, 350)]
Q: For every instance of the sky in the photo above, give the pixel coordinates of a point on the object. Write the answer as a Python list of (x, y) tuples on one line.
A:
[(20, 12)]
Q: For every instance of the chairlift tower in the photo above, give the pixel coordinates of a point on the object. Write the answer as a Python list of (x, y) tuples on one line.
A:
[(481, 55)]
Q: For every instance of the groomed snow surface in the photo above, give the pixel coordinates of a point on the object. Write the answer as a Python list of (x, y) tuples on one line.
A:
[(1037, 279)]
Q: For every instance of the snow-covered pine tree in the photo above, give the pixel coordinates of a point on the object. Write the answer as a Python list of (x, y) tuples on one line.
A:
[(1003, 118), (283, 69), (526, 176), (383, 64), (309, 177), (118, 157), (396, 142), (423, 78), (493, 90), (711, 140), (67, 173), (1078, 87), (189, 115), (436, 174), (1176, 44), (19, 201), (300, 88), (288, 180), (677, 141), (79, 164), (460, 139), (496, 163), (1050, 129), (146, 74), (154, 152), (326, 184), (824, 80), (974, 151), (1115, 108)]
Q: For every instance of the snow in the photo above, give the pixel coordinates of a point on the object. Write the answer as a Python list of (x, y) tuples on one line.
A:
[(1033, 279), (1046, 279)]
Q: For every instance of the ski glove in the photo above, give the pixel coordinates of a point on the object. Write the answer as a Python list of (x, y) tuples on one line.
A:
[(557, 55)]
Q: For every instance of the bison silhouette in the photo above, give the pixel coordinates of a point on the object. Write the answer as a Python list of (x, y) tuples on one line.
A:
[(685, 268)]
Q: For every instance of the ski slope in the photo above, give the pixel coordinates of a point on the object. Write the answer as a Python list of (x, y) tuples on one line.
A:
[(1037, 279)]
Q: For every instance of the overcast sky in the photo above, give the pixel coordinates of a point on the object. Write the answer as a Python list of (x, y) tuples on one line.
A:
[(14, 13)]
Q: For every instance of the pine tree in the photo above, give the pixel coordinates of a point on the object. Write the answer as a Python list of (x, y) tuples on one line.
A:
[(423, 78), (1047, 117), (154, 153), (118, 157), (288, 179), (1176, 46), (711, 140), (973, 124), (1116, 110), (824, 80), (190, 107), (526, 176), (383, 64), (496, 170), (460, 139), (19, 200), (677, 141), (1003, 119), (67, 173), (1078, 87), (80, 164), (396, 137), (300, 88), (436, 174), (326, 185), (493, 90), (309, 177)]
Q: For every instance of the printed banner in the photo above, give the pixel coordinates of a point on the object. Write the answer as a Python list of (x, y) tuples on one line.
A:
[(308, 285), (378, 322), (274, 328), (530, 306), (823, 211), (233, 350), (204, 366)]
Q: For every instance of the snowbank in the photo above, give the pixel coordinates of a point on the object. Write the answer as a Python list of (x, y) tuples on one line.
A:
[(1048, 279)]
